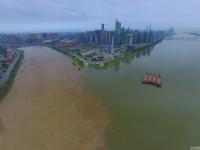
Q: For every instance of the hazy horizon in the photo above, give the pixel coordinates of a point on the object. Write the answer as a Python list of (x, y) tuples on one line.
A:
[(70, 16)]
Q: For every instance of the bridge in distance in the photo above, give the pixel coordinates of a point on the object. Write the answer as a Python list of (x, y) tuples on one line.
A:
[(184, 37)]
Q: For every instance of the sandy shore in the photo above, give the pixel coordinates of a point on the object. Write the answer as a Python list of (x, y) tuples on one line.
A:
[(48, 107)]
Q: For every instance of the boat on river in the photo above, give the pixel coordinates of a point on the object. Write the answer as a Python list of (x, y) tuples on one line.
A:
[(152, 79)]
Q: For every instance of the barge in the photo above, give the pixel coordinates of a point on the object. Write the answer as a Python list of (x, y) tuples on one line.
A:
[(152, 79)]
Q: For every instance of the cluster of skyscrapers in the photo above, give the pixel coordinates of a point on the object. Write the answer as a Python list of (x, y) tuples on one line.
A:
[(120, 36), (97, 36)]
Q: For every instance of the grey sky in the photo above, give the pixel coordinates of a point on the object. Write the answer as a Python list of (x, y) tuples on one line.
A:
[(72, 15)]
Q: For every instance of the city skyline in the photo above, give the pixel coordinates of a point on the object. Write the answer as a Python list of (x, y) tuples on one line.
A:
[(61, 15), (121, 36)]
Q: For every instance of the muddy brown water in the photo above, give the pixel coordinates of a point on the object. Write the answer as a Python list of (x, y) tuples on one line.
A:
[(48, 107)]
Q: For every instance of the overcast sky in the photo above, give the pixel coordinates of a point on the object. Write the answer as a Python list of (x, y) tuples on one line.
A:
[(73, 15)]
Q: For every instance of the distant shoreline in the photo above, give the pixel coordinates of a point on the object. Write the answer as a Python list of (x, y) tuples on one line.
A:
[(117, 60)]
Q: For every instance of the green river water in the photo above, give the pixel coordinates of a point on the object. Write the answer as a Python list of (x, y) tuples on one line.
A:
[(145, 117)]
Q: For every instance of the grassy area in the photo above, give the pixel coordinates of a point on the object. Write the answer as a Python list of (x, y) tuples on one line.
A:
[(127, 56), (107, 64), (131, 54), (8, 84), (112, 62), (74, 59)]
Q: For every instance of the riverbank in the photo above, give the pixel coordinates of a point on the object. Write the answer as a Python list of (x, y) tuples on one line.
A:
[(128, 54), (131, 53), (5, 88), (74, 59), (48, 107)]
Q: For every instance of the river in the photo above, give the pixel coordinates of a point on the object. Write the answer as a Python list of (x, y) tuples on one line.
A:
[(145, 117), (52, 105), (48, 107)]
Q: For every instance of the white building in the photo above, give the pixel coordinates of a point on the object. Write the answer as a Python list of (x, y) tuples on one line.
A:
[(88, 52)]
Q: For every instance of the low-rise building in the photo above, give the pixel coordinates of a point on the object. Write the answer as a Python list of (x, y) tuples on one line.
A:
[(87, 52)]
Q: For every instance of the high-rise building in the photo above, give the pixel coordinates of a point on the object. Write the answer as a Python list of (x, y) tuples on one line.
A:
[(129, 40), (108, 37), (112, 45), (102, 27), (150, 36), (117, 35), (147, 36), (123, 36)]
